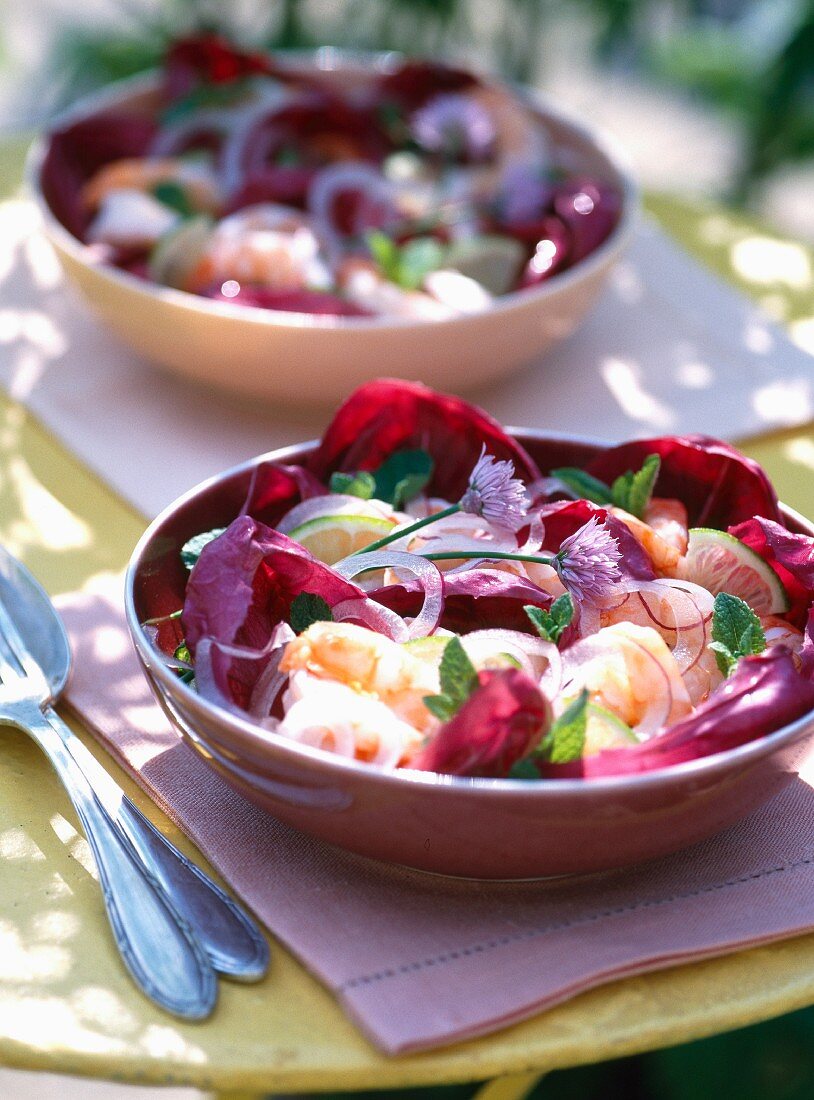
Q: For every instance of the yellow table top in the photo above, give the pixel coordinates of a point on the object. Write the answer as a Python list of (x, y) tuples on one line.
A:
[(66, 1004)]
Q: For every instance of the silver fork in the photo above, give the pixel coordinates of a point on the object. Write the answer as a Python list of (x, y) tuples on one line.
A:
[(156, 943)]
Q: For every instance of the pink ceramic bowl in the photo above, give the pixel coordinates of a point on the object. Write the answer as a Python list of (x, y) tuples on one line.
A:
[(303, 358), (486, 828)]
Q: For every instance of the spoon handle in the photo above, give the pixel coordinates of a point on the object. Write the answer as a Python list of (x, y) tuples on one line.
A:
[(156, 944), (231, 939)]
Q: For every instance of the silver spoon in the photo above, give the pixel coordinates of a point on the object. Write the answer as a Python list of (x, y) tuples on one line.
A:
[(233, 943)]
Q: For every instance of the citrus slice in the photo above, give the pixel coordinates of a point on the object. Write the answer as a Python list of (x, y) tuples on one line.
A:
[(331, 538), (721, 563), (604, 730)]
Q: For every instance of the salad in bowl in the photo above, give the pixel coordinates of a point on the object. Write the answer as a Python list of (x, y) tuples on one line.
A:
[(418, 191), (561, 629)]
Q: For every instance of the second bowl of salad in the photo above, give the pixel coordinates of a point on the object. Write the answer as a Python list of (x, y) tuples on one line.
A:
[(290, 226)]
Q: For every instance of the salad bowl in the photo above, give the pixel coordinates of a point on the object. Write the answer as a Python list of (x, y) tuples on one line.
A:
[(308, 357), (490, 828)]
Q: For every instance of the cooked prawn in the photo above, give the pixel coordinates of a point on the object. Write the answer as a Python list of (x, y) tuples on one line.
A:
[(146, 173), (266, 245), (332, 716), (662, 532), (370, 664), (629, 670)]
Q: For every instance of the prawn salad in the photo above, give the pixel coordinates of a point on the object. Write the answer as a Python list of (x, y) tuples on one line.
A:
[(423, 192), (421, 594)]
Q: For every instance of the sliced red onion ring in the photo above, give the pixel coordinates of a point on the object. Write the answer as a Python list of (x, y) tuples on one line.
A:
[(531, 653), (268, 685), (428, 574), (330, 505), (373, 615), (236, 158), (376, 209)]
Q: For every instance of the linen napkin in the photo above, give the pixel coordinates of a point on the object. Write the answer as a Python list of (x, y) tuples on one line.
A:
[(419, 960)]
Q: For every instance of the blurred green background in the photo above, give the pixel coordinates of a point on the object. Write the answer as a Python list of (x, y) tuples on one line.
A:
[(710, 96)]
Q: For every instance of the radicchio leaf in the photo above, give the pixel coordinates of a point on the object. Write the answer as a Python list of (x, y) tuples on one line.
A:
[(764, 694), (497, 725), (790, 555), (243, 586), (76, 152), (390, 415), (718, 485)]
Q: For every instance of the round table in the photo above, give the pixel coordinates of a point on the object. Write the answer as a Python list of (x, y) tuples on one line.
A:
[(66, 1004)]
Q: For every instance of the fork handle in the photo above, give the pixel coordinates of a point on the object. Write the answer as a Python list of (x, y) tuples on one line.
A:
[(233, 942), (155, 942)]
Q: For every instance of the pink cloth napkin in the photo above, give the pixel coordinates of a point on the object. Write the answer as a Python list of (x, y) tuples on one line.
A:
[(418, 960)]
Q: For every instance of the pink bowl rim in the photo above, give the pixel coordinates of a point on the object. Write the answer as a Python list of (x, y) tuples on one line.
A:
[(496, 788), (327, 59)]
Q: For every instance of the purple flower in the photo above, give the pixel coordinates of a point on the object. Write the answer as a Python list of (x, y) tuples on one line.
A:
[(524, 192), (495, 493), (454, 125), (588, 562)]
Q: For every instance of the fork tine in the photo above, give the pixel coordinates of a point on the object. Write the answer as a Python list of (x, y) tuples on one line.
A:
[(14, 650)]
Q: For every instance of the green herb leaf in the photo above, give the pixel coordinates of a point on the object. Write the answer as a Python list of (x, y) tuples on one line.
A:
[(173, 195), (408, 264), (550, 624), (418, 258), (523, 769), (587, 487), (403, 476), (361, 484), (632, 491), (565, 740), (185, 675), (459, 678), (306, 609), (191, 551), (736, 631)]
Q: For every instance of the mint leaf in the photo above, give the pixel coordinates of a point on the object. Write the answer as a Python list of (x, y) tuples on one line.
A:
[(403, 476), (459, 678), (191, 550), (173, 195), (523, 769), (418, 258), (632, 491), (361, 484), (736, 631), (306, 609), (550, 624), (565, 740), (587, 487), (385, 253), (185, 675), (408, 264)]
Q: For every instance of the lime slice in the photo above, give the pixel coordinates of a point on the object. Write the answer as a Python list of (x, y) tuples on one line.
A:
[(331, 538), (721, 563), (492, 261), (178, 252), (430, 649), (605, 731)]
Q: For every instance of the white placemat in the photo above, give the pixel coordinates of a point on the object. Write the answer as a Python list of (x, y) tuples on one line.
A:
[(669, 348)]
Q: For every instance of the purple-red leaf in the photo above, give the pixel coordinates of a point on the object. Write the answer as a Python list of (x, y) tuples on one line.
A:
[(718, 485), (390, 415), (500, 722), (790, 555)]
